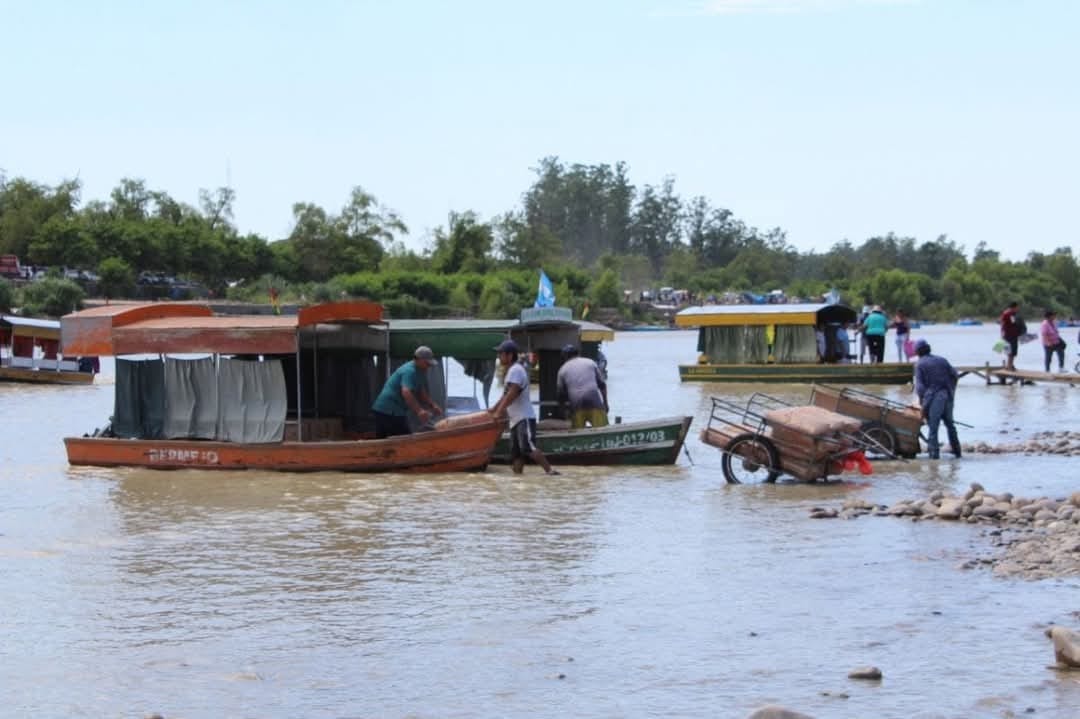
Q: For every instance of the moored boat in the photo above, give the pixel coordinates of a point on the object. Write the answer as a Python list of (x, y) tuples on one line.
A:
[(29, 353), (655, 441), (780, 343), (269, 392)]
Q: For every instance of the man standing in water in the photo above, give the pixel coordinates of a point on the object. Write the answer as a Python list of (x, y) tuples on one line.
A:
[(515, 403), (935, 384)]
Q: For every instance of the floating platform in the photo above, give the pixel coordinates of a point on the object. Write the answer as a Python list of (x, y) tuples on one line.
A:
[(1002, 376)]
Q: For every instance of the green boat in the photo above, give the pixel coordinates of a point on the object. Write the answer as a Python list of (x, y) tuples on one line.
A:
[(655, 441), (780, 343)]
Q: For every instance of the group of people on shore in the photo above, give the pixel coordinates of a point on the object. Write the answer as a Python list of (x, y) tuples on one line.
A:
[(581, 388)]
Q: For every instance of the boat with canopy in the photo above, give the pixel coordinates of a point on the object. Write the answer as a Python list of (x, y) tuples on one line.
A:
[(200, 389), (780, 343), (29, 352)]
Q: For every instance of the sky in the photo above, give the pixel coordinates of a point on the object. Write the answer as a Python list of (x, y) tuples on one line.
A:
[(830, 119)]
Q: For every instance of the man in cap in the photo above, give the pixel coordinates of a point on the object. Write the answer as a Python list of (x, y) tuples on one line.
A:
[(516, 405), (580, 386), (405, 390), (935, 384)]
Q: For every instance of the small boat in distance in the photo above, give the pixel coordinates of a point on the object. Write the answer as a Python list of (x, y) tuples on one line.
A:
[(967, 322), (29, 353), (780, 343), (256, 391)]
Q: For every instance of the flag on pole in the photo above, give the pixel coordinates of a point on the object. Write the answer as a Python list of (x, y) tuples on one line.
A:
[(545, 293)]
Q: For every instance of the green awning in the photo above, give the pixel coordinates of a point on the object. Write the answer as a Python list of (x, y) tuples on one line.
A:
[(460, 339)]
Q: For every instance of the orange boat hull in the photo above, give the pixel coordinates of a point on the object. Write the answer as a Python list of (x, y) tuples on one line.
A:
[(451, 450)]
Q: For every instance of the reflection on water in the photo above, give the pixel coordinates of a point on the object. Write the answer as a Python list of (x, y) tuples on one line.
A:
[(650, 591)]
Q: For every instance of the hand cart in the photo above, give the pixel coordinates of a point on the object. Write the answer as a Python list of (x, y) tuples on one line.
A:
[(768, 438), (893, 426)]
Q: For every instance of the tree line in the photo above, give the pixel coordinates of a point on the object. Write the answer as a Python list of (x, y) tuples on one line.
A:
[(592, 230)]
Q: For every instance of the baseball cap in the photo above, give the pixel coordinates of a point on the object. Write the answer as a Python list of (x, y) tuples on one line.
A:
[(922, 345), (507, 346), (569, 350), (424, 352)]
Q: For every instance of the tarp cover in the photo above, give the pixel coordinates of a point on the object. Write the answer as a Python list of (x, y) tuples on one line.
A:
[(737, 344), (252, 401), (191, 399), (139, 409), (795, 343)]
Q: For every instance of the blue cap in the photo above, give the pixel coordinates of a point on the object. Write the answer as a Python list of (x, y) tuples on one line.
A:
[(921, 346), (507, 346), (569, 350)]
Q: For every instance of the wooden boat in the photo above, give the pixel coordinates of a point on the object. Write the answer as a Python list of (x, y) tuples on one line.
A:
[(542, 332), (233, 406), (656, 441), (778, 343), (28, 353)]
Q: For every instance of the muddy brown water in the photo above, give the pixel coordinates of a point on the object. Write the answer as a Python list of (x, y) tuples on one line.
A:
[(606, 592)]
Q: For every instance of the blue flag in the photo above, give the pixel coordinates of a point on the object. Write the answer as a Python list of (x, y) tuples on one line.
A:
[(545, 294)]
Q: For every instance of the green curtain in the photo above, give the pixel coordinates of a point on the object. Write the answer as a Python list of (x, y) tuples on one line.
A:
[(734, 345), (795, 343)]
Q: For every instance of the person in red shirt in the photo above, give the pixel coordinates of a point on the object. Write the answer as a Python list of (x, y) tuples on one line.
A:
[(1012, 327)]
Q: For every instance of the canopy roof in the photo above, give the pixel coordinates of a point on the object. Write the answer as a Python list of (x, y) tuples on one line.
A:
[(783, 314), (466, 339), (31, 327), (460, 339), (177, 328)]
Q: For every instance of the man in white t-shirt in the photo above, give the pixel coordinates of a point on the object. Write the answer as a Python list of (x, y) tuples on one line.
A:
[(515, 403)]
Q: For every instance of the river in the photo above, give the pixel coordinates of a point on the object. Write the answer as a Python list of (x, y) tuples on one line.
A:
[(605, 592)]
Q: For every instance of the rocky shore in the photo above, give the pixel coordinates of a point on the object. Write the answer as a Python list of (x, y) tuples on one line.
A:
[(1032, 538), (1062, 442)]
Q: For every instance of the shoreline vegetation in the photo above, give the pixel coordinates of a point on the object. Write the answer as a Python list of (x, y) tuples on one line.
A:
[(602, 239)]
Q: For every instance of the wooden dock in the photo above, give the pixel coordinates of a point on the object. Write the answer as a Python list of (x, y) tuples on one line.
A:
[(999, 375)]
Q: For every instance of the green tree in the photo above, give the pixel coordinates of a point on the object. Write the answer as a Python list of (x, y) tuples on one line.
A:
[(117, 279), (605, 291), (465, 248), (7, 295), (52, 297), (896, 289)]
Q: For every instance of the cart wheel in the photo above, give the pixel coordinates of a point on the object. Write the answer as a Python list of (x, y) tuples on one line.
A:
[(750, 458), (881, 440)]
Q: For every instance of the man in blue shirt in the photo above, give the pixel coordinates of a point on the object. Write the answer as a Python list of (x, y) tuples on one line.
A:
[(935, 383), (405, 390)]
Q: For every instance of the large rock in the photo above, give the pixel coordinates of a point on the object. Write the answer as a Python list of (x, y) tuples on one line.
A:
[(777, 712), (951, 508), (1066, 647)]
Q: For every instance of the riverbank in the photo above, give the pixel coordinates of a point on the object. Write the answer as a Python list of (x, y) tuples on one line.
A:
[(1036, 538)]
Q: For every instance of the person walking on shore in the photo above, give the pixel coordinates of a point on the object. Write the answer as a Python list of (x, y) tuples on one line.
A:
[(935, 385), (516, 405), (1051, 341), (1012, 328)]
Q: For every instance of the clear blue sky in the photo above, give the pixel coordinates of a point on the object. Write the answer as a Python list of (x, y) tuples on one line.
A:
[(831, 119)]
